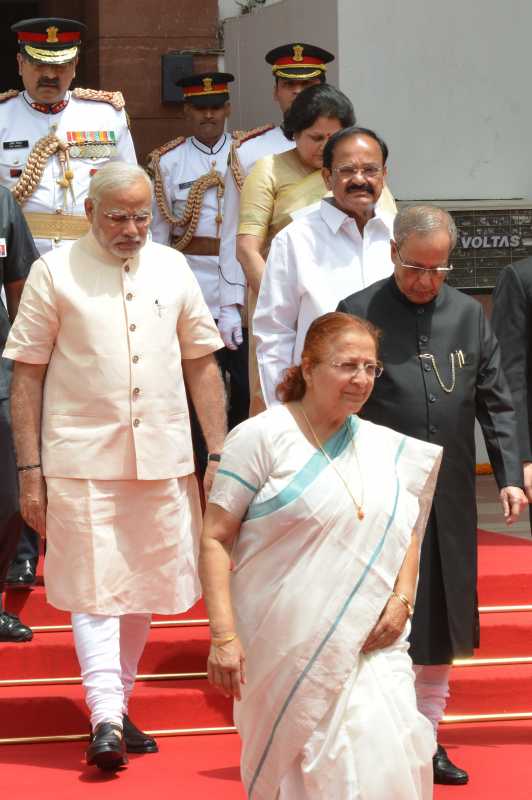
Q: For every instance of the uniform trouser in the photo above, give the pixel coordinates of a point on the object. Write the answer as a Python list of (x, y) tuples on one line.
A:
[(10, 520), (108, 651), (234, 368), (432, 691), (28, 544)]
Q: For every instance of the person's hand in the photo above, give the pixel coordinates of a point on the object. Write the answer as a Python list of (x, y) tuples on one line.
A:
[(230, 326), (208, 478), (33, 500), (226, 668), (527, 479), (390, 626), (513, 501)]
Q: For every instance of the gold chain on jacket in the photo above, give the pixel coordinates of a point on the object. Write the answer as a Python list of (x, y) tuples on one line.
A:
[(33, 171)]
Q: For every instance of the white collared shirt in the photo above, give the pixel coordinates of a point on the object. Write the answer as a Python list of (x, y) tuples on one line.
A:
[(313, 263)]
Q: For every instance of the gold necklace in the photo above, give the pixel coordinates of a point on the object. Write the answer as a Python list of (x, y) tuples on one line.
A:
[(358, 506)]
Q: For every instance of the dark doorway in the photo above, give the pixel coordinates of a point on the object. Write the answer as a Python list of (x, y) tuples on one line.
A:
[(9, 14)]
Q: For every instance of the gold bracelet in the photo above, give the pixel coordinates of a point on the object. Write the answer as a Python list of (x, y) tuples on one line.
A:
[(219, 641), (406, 602)]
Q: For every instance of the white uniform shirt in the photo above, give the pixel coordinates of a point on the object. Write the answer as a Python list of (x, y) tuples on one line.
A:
[(113, 333), (21, 126), (232, 278), (180, 167), (313, 263)]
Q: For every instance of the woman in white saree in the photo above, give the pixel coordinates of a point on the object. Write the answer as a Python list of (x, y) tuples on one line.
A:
[(322, 515)]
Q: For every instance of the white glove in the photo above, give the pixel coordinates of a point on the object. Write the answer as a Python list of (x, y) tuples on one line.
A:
[(230, 326)]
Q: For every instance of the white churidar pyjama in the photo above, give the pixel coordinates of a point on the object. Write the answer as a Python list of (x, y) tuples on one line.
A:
[(108, 650), (432, 691)]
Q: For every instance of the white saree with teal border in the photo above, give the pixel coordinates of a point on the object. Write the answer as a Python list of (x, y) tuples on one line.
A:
[(318, 718)]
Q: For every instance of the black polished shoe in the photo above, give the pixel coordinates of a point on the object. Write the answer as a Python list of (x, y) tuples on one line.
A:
[(136, 740), (445, 771), (13, 630), (22, 574), (107, 748)]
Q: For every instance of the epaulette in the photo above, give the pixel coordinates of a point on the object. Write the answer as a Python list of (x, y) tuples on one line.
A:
[(239, 137), (115, 99), (8, 95), (156, 154)]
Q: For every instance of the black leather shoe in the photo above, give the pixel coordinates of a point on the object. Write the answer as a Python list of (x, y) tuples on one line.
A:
[(445, 771), (107, 748), (13, 630), (21, 574), (136, 740)]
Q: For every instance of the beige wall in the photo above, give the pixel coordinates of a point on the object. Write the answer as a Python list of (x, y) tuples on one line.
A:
[(249, 37)]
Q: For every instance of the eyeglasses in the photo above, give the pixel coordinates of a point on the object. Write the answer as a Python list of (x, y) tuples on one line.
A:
[(141, 219), (432, 272), (350, 370), (347, 171)]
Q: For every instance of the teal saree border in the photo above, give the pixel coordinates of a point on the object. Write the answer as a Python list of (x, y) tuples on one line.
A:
[(331, 630), (334, 447)]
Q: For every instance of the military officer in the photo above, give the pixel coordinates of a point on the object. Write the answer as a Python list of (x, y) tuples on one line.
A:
[(52, 140), (188, 175), (295, 66)]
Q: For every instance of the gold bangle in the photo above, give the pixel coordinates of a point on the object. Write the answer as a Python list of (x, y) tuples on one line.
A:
[(406, 602), (219, 641)]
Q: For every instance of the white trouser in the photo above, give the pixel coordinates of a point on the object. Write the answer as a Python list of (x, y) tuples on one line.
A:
[(432, 691), (108, 650)]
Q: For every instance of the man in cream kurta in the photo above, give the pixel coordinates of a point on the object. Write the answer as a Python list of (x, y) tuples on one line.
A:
[(109, 329)]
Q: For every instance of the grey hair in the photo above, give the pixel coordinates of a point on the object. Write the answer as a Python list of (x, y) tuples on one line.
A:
[(422, 221), (116, 175)]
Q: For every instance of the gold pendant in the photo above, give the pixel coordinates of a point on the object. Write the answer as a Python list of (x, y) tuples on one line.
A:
[(360, 514)]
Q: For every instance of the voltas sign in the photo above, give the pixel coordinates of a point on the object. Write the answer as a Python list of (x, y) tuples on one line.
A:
[(488, 239)]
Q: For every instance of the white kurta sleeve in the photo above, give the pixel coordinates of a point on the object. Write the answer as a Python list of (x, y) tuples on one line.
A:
[(276, 315), (34, 331), (232, 278)]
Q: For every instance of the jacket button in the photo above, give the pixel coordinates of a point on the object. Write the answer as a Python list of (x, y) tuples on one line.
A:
[(433, 429), (132, 327), (427, 367), (136, 423), (126, 268), (423, 339), (129, 296), (135, 359), (420, 310), (136, 391), (432, 398)]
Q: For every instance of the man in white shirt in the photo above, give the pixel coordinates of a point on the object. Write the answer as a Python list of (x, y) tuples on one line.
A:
[(345, 242), (295, 66)]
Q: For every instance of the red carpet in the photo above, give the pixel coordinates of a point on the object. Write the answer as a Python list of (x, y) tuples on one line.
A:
[(206, 766)]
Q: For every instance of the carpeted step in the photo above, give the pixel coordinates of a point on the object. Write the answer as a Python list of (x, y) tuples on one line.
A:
[(501, 689), (52, 655), (60, 710), (32, 608), (504, 569), (506, 634)]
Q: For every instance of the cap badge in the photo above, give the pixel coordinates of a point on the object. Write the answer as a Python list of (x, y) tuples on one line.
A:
[(298, 52), (207, 84), (52, 32)]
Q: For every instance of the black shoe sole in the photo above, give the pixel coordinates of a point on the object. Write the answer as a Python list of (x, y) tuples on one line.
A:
[(106, 758), (447, 782), (135, 748)]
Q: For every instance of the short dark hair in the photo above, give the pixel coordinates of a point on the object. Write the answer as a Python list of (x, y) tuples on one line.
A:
[(319, 100), (345, 133)]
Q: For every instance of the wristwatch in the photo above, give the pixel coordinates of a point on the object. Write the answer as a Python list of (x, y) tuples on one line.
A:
[(214, 457)]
